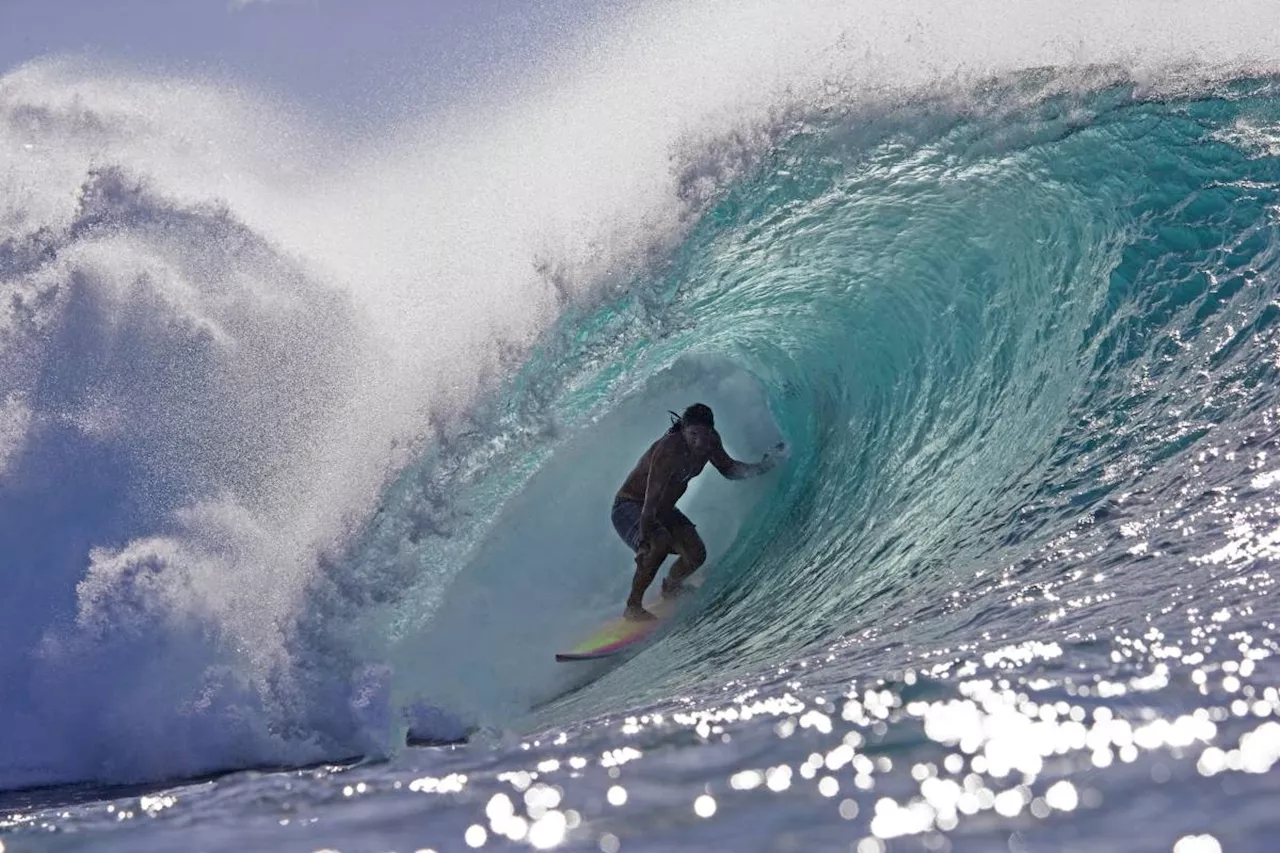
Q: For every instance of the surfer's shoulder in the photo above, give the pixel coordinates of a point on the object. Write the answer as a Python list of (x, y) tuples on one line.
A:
[(665, 450)]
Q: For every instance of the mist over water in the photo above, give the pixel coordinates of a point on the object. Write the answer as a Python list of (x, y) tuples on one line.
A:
[(299, 429)]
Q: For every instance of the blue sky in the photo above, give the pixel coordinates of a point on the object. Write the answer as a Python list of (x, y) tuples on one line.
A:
[(340, 55)]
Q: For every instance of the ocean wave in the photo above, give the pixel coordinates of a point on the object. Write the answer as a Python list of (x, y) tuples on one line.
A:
[(262, 488)]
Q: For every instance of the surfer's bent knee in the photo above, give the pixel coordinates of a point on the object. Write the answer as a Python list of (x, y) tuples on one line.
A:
[(697, 555)]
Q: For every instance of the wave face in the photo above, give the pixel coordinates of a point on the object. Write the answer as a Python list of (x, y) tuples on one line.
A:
[(1025, 358), (271, 496)]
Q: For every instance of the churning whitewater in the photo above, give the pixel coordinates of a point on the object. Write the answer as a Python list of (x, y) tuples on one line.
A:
[(307, 443)]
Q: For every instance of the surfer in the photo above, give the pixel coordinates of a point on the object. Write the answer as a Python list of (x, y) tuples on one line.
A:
[(644, 510)]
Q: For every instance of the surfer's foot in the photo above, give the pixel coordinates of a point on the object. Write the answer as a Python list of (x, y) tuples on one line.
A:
[(638, 614)]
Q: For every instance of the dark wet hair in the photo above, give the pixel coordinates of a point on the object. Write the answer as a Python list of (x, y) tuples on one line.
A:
[(698, 413)]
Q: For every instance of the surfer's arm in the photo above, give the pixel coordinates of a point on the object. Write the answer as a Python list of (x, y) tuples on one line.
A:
[(732, 469)]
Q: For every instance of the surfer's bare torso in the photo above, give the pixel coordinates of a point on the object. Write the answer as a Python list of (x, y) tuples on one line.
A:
[(663, 473)]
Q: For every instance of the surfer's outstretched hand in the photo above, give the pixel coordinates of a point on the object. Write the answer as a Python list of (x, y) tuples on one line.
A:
[(779, 453)]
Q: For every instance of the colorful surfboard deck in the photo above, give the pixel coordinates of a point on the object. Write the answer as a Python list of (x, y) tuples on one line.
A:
[(621, 634)]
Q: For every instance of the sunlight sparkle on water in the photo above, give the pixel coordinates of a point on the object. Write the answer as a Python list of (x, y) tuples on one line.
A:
[(451, 784), (548, 830), (1007, 723)]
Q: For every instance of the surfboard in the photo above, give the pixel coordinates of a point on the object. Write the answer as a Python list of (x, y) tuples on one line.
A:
[(619, 635)]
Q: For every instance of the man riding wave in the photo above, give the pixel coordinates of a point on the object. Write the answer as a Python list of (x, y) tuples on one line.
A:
[(644, 510)]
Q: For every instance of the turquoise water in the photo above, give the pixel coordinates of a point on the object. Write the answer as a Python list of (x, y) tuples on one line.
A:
[(1011, 591)]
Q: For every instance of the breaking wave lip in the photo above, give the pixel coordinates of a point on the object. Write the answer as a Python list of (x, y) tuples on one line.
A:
[(205, 391)]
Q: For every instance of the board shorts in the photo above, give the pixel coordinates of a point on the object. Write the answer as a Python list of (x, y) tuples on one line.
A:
[(626, 520)]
